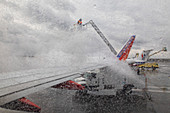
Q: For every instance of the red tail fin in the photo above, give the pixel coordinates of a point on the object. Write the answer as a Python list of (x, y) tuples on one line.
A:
[(123, 54)]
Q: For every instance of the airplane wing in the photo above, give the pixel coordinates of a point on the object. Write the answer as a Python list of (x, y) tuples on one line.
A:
[(14, 85)]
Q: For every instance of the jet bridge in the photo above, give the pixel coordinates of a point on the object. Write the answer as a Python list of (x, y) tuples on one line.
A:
[(102, 36)]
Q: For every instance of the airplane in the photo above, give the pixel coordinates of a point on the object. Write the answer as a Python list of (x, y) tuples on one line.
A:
[(139, 59), (143, 57), (124, 52), (15, 85), (92, 79)]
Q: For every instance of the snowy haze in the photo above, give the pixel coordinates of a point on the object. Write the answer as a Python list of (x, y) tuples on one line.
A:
[(41, 33), (148, 20)]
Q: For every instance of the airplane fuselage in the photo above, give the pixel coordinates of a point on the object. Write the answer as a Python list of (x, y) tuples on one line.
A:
[(135, 61)]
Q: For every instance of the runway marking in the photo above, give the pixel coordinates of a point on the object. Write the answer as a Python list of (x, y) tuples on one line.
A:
[(163, 90), (155, 87)]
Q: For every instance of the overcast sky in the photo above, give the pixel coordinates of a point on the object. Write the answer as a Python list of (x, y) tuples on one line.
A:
[(45, 29), (148, 20)]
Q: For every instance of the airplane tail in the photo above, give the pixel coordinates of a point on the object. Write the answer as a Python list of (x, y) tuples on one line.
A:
[(123, 54)]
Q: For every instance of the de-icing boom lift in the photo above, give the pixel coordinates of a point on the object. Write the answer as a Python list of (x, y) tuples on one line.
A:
[(102, 36), (163, 49), (96, 80)]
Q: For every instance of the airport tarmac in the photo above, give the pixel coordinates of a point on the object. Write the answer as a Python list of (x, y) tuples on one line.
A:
[(65, 101)]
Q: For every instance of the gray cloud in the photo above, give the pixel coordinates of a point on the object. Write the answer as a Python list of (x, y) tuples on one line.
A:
[(46, 30), (119, 19)]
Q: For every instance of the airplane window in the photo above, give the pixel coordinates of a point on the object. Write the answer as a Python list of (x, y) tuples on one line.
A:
[(71, 56)]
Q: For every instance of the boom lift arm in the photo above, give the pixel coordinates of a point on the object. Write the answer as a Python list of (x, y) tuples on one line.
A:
[(102, 36), (163, 49)]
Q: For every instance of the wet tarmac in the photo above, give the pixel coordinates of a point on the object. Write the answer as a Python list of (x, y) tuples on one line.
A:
[(67, 101)]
